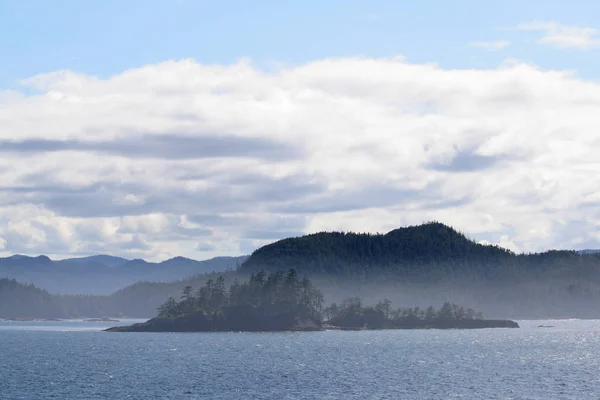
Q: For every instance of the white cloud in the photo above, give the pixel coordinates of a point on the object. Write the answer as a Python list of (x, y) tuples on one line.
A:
[(497, 45), (564, 36), (181, 158)]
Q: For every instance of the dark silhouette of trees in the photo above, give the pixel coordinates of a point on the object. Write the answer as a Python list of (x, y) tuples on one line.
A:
[(432, 245), (352, 314), (426, 251), (19, 300), (554, 283), (277, 293)]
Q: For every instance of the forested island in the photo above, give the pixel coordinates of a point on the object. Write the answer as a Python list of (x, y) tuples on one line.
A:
[(283, 302), (417, 265)]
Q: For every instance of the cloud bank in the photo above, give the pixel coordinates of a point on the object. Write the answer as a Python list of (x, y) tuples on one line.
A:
[(181, 158)]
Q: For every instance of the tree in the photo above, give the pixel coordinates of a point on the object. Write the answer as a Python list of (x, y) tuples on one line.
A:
[(187, 300), (291, 287), (384, 306), (234, 292), (445, 312), (470, 314), (168, 309), (430, 314), (218, 295), (351, 306), (331, 311), (187, 293)]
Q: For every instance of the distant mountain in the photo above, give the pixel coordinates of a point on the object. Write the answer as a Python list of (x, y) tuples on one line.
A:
[(104, 274), (589, 251), (110, 261), (413, 266)]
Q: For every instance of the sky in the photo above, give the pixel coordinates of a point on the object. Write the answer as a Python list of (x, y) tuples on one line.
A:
[(160, 128)]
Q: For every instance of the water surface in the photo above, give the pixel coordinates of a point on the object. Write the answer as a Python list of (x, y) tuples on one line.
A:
[(75, 360)]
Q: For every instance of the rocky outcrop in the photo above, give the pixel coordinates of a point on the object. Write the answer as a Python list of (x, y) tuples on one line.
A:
[(202, 323), (221, 323)]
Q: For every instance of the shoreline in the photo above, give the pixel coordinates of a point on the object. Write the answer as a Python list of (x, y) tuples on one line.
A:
[(164, 326)]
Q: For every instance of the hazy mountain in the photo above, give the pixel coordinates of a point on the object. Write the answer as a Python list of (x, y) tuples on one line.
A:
[(110, 261), (588, 251), (412, 266), (432, 263), (104, 274)]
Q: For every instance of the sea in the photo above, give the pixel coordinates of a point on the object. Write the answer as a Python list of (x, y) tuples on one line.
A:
[(549, 359)]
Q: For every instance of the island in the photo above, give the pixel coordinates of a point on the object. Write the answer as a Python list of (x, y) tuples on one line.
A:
[(103, 319), (281, 301)]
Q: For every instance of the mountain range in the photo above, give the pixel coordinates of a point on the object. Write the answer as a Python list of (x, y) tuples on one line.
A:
[(104, 274), (413, 266)]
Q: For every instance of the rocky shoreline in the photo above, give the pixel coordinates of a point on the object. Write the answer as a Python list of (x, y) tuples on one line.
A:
[(189, 324)]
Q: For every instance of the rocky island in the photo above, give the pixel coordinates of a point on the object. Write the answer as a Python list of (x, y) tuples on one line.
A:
[(283, 302), (104, 319)]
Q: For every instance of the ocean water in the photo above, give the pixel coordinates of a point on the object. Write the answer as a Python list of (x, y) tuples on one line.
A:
[(75, 360)]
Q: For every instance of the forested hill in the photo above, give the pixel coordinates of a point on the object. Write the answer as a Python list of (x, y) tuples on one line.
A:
[(19, 300), (425, 251), (331, 252), (413, 266), (28, 301)]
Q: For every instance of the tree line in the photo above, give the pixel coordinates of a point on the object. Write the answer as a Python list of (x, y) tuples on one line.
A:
[(282, 293), (279, 292), (352, 313)]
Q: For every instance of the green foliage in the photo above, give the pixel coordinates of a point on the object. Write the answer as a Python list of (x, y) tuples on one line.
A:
[(351, 313), (18, 300), (347, 253), (283, 294), (432, 252), (277, 293), (434, 256)]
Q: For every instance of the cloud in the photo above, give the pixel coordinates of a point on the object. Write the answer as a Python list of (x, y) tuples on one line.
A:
[(497, 45), (182, 158), (206, 247), (564, 36), (171, 146), (469, 161)]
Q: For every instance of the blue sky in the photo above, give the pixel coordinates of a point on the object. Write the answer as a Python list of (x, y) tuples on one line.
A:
[(159, 128), (106, 37)]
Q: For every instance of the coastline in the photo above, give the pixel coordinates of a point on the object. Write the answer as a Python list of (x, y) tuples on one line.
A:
[(175, 325)]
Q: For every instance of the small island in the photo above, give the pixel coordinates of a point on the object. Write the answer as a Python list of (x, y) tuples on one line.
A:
[(103, 319), (282, 301)]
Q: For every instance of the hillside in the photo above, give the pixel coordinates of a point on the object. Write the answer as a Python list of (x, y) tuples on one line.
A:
[(19, 300), (432, 251), (413, 266), (103, 274), (403, 248)]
